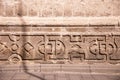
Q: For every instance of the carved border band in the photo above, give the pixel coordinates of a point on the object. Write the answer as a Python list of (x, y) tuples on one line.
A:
[(67, 47)]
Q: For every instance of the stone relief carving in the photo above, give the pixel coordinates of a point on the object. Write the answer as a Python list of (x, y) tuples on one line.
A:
[(61, 47)]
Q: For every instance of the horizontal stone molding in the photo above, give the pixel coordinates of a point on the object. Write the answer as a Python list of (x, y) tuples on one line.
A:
[(70, 68), (61, 21)]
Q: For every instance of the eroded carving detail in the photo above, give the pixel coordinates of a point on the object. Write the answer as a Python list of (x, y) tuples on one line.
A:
[(51, 46), (102, 48), (62, 47)]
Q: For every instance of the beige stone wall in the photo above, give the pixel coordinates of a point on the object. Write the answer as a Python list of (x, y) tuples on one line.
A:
[(60, 31), (67, 8)]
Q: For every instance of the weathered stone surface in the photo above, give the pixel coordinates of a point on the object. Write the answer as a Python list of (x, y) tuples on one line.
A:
[(66, 8), (59, 71), (64, 45), (60, 31), (59, 39)]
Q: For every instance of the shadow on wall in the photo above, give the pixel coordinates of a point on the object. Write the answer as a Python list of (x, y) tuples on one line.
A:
[(24, 40), (24, 66)]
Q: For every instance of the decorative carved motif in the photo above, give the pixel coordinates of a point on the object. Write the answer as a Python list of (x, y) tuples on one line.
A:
[(51, 46), (47, 47), (14, 58)]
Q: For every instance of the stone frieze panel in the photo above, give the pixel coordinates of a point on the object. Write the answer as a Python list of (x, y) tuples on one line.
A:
[(67, 47)]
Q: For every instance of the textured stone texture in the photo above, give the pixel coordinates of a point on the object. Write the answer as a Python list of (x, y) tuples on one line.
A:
[(59, 39), (67, 8), (59, 72), (60, 31)]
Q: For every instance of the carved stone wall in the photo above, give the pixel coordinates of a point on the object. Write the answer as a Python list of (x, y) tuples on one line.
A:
[(60, 31)]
